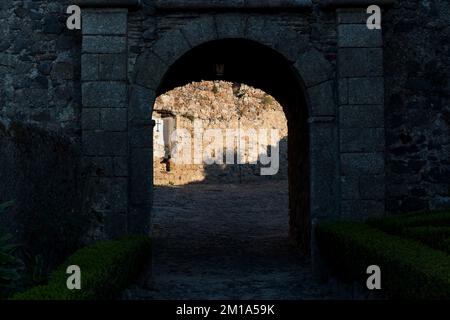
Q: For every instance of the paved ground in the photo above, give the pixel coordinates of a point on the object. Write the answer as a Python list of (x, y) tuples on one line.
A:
[(226, 242)]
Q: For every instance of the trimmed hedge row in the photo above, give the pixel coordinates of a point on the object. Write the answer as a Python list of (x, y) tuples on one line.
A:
[(410, 270), (432, 229), (396, 224), (106, 269)]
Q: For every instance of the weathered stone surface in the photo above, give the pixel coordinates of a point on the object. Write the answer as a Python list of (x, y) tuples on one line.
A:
[(350, 187), (152, 79), (314, 68), (141, 103), (261, 31), (120, 166), (362, 140), (97, 167), (361, 116), (358, 36), (139, 220), (104, 44), (362, 163), (104, 94), (322, 99), (171, 46), (343, 91), (361, 210), (89, 67), (415, 70), (112, 195), (352, 15), (324, 164), (360, 62), (200, 31), (366, 91), (373, 187), (90, 119), (115, 224), (140, 136), (109, 3), (231, 4), (141, 172), (113, 119), (230, 26), (104, 23), (62, 71), (112, 67), (101, 143)]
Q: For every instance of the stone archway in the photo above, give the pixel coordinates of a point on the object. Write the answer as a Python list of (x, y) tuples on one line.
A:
[(345, 99), (309, 91)]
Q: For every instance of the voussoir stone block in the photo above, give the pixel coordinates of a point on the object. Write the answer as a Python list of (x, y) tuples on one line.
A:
[(262, 31), (230, 26), (314, 68), (145, 77), (171, 46), (200, 31), (104, 94)]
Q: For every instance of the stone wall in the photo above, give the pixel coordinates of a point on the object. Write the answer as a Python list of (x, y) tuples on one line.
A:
[(39, 66), (217, 107), (417, 108), (39, 171), (40, 84)]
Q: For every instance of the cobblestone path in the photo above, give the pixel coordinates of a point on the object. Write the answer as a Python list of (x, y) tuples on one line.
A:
[(226, 241)]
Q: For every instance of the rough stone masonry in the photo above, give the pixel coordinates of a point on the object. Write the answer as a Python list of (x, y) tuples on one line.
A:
[(377, 102)]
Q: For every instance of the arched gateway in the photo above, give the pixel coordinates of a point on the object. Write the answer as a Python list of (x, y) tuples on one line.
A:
[(319, 61)]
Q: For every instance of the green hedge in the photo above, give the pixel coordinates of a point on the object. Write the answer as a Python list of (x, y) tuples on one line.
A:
[(432, 229), (106, 269), (397, 224), (410, 270)]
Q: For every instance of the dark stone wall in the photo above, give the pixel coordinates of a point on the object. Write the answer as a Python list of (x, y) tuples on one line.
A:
[(39, 65), (40, 86), (40, 171), (417, 109)]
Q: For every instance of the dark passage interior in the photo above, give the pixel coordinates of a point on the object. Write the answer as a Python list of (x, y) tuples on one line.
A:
[(244, 61)]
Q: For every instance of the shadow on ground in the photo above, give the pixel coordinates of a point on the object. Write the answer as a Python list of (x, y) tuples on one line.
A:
[(226, 241)]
